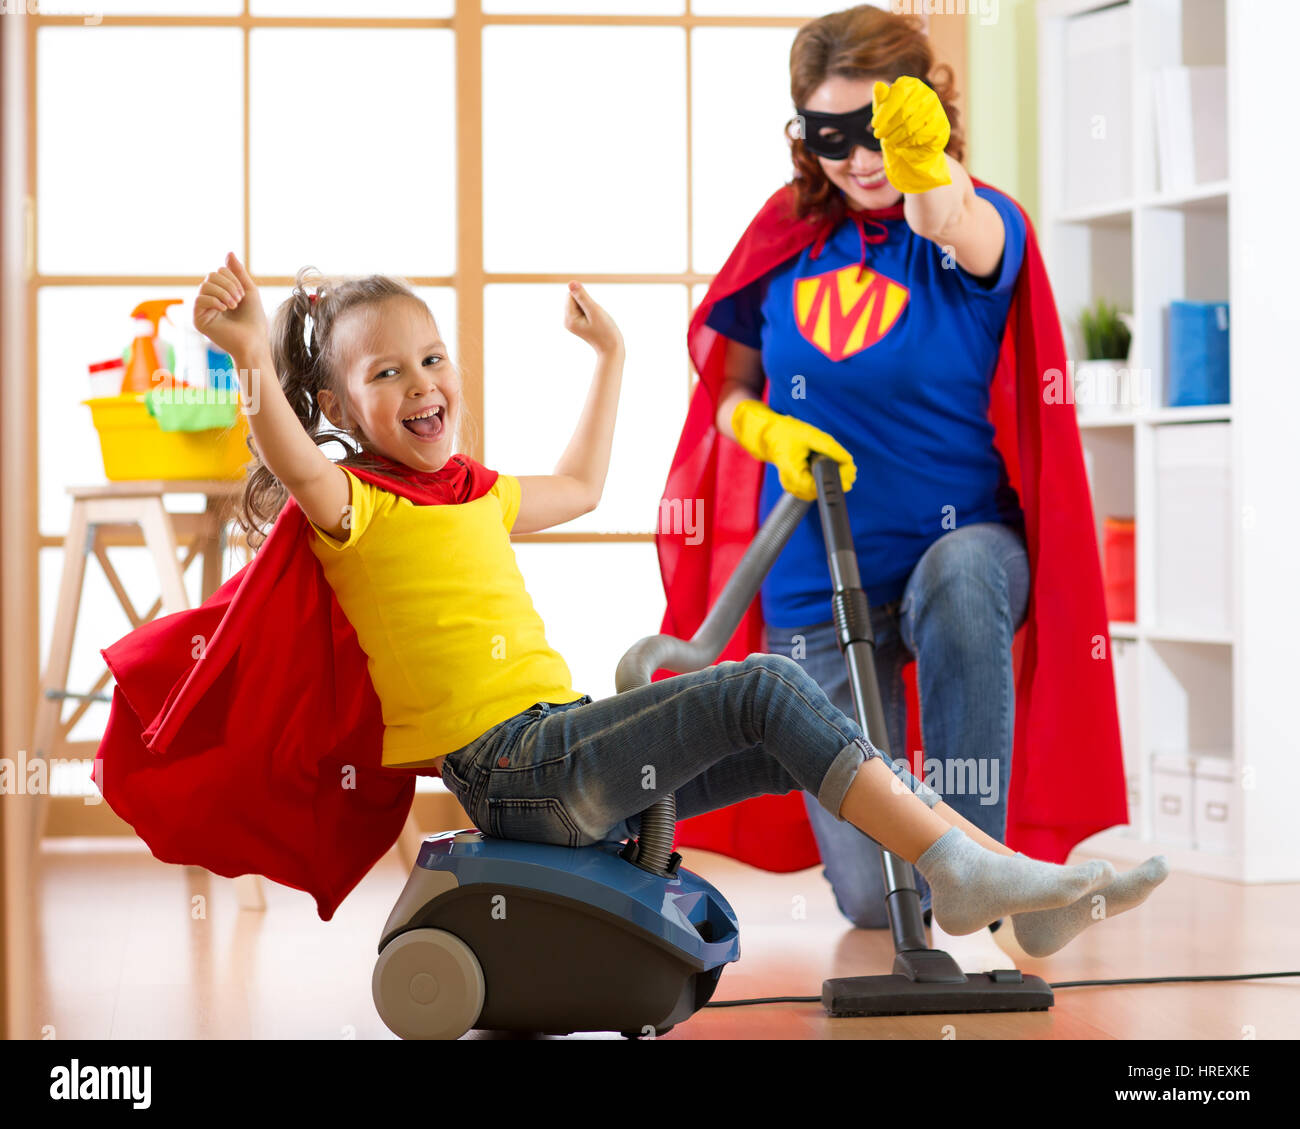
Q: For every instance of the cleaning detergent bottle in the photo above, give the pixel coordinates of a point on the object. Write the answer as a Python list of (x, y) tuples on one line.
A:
[(143, 362), (204, 365)]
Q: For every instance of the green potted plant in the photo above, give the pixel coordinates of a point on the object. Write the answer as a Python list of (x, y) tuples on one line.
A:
[(1102, 383)]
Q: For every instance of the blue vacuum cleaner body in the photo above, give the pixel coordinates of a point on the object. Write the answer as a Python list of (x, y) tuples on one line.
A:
[(506, 935)]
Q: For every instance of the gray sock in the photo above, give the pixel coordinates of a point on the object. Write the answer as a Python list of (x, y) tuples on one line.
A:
[(1042, 932), (971, 886)]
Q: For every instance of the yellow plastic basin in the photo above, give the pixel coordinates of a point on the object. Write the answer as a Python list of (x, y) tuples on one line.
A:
[(135, 447)]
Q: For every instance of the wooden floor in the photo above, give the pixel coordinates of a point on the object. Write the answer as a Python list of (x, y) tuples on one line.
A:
[(124, 956)]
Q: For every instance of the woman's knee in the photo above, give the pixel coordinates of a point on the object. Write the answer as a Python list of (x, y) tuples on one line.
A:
[(963, 577), (862, 903), (866, 915)]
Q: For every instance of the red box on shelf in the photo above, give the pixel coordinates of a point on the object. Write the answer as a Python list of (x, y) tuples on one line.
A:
[(1117, 569)]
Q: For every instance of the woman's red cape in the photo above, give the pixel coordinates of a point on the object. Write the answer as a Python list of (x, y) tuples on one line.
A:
[(1067, 775)]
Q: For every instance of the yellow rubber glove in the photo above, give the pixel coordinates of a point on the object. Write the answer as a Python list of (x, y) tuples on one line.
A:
[(787, 443), (913, 130)]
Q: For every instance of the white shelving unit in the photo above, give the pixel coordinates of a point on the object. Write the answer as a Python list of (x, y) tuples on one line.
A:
[(1206, 678)]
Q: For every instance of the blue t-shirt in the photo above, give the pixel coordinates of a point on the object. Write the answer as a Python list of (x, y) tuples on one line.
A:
[(896, 367)]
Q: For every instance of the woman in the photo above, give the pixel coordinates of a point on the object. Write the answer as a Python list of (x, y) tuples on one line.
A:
[(872, 296)]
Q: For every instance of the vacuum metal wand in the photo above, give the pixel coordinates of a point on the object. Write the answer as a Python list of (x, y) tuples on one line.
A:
[(852, 615)]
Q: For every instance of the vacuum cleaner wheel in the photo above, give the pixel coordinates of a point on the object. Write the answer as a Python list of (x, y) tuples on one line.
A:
[(428, 984)]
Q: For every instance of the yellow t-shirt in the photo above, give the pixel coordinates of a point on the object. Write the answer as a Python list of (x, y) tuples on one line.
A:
[(454, 643)]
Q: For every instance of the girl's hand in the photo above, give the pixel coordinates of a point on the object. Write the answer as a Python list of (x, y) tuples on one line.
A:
[(584, 317), (913, 130), (228, 311)]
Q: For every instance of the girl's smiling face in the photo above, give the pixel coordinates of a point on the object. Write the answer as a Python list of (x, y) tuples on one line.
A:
[(396, 368)]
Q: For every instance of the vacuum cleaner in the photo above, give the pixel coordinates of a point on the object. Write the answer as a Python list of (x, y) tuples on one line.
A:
[(505, 935), (510, 936)]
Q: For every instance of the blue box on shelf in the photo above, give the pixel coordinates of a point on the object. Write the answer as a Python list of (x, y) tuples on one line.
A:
[(1198, 354)]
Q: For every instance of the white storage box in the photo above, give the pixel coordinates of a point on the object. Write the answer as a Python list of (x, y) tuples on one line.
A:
[(1217, 806), (1098, 107), (1194, 533), (1171, 801)]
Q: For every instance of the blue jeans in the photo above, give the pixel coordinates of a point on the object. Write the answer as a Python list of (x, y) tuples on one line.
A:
[(583, 772), (958, 614)]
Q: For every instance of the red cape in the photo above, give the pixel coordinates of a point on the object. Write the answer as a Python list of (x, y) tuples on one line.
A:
[(1067, 776), (245, 735)]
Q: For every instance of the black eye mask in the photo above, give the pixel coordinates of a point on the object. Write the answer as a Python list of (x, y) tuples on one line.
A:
[(850, 131)]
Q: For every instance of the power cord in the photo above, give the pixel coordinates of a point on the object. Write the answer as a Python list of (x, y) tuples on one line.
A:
[(1172, 979), (1060, 984)]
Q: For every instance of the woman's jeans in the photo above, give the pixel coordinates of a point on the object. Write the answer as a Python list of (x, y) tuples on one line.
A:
[(583, 772), (959, 612)]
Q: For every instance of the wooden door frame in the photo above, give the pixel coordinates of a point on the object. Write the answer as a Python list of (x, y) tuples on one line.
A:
[(19, 613)]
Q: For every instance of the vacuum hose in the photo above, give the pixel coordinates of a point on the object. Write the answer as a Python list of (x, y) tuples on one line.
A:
[(637, 667)]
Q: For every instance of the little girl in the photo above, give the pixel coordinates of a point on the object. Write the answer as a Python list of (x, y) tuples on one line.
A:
[(434, 588)]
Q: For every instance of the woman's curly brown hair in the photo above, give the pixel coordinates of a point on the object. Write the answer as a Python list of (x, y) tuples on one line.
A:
[(858, 43), (304, 367)]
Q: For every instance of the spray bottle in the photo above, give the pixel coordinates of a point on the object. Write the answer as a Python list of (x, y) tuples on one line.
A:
[(144, 363)]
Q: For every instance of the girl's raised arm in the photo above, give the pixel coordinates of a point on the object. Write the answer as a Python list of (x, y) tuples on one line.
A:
[(228, 310)]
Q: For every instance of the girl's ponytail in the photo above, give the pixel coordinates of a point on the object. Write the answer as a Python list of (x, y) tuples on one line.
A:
[(297, 364)]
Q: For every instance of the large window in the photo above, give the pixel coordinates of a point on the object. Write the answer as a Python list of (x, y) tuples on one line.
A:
[(486, 150)]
